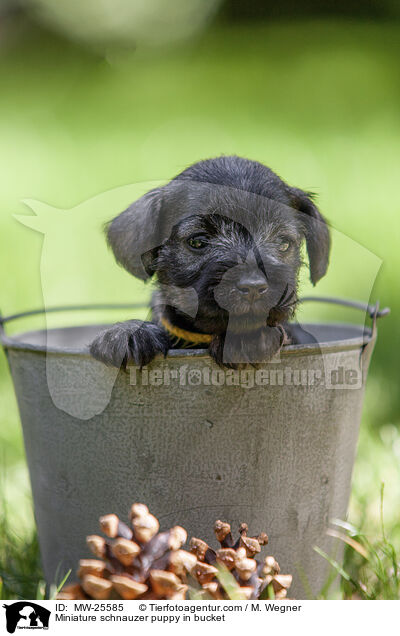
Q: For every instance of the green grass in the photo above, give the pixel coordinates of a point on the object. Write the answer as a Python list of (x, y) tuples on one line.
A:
[(20, 571), (316, 100), (371, 568)]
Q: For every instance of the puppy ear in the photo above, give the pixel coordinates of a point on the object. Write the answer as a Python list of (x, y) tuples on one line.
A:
[(316, 232), (135, 234)]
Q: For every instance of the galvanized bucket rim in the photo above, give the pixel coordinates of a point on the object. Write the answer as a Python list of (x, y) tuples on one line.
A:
[(18, 342), (360, 337)]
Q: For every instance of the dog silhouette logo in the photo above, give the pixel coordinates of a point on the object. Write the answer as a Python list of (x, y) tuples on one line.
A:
[(26, 615)]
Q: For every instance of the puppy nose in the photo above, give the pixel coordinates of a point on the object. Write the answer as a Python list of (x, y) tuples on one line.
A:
[(252, 286)]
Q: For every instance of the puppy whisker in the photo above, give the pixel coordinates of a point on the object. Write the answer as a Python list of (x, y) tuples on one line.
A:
[(283, 295)]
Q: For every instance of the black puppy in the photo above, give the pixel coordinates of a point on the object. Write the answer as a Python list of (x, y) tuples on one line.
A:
[(223, 239)]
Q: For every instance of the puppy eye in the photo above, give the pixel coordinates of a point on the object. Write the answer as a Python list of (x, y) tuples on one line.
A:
[(284, 246), (197, 242)]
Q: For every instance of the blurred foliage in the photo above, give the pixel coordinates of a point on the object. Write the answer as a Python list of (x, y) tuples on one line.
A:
[(238, 10), (315, 100)]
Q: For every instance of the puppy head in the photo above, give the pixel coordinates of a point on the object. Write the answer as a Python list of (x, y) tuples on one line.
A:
[(229, 228)]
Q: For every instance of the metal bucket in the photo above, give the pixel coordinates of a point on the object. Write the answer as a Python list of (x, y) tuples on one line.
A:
[(275, 449)]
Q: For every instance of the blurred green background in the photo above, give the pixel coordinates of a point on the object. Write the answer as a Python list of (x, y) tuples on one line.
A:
[(313, 94)]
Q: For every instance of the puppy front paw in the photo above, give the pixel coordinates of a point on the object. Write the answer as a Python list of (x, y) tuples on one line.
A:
[(236, 351), (130, 342)]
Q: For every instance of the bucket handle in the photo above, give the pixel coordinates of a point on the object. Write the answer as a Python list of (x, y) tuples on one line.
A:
[(52, 310), (372, 310)]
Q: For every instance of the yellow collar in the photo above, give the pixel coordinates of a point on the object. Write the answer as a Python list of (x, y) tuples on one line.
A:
[(182, 334)]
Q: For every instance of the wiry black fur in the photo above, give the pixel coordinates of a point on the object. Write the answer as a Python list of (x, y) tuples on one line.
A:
[(245, 213)]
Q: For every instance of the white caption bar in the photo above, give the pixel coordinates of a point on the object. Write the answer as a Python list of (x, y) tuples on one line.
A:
[(156, 617)]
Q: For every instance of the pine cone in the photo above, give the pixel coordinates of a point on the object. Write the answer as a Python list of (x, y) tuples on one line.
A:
[(139, 562), (133, 562), (253, 578)]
